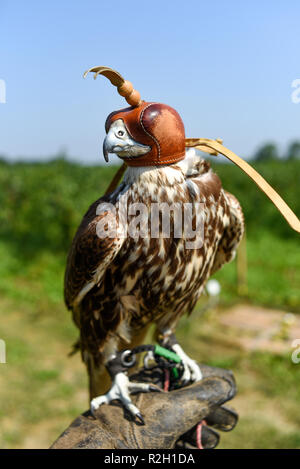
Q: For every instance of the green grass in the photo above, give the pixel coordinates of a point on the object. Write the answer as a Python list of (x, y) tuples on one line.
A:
[(41, 388), (273, 273)]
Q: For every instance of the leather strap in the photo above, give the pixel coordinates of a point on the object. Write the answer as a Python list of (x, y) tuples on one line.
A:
[(125, 87), (265, 187), (214, 147), (116, 179)]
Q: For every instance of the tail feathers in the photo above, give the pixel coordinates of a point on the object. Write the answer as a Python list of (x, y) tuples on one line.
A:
[(75, 348)]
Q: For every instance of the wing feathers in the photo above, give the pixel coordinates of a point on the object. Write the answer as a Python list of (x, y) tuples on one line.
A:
[(89, 256)]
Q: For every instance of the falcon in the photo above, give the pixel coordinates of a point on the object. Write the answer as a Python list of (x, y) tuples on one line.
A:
[(120, 278)]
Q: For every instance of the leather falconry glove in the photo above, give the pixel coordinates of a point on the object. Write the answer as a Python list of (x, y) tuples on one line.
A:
[(171, 418)]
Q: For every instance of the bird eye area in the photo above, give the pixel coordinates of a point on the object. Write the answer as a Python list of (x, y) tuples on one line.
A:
[(120, 133)]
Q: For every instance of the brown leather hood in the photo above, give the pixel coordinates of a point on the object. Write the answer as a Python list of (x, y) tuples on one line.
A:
[(156, 125)]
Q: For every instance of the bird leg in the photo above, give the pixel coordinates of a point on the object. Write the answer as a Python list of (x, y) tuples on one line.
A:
[(192, 372), (122, 387)]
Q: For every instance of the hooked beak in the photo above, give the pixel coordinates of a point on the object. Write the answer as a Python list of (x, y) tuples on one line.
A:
[(111, 147), (106, 149)]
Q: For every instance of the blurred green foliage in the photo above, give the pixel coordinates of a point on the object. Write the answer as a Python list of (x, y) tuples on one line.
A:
[(293, 152), (260, 213), (267, 152), (42, 391), (43, 203)]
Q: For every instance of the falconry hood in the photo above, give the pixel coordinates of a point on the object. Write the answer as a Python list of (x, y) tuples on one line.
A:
[(155, 125), (158, 132)]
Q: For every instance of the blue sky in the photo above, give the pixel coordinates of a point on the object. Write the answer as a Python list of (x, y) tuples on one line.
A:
[(226, 66)]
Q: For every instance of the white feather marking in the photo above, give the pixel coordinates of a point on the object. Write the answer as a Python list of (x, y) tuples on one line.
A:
[(192, 188), (83, 292), (124, 331), (206, 177)]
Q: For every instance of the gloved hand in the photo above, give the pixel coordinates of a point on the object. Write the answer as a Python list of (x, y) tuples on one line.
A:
[(171, 418)]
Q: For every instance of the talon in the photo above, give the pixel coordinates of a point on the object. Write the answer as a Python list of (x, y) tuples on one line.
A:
[(97, 402), (138, 387), (121, 389), (192, 371), (154, 388), (140, 418), (149, 357)]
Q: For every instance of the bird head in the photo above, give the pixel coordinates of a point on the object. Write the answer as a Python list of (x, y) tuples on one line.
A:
[(144, 134), (153, 134), (119, 141)]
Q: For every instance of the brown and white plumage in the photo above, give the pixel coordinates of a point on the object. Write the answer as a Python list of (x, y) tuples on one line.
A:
[(117, 286)]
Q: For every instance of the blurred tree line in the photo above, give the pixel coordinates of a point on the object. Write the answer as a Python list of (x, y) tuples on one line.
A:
[(43, 203), (269, 152)]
